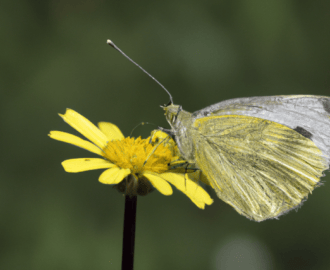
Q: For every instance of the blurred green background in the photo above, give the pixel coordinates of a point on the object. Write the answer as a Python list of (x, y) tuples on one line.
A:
[(54, 56)]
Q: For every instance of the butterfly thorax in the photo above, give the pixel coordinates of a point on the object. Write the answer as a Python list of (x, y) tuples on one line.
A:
[(181, 123)]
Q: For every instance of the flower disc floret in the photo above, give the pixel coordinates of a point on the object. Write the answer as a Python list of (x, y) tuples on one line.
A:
[(138, 155)]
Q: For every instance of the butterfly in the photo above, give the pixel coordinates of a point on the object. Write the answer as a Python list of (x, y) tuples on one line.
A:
[(262, 155)]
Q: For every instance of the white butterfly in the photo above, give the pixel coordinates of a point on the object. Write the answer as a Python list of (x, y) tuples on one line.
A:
[(262, 155)]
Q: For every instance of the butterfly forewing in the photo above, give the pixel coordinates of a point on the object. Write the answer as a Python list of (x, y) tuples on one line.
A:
[(308, 115)]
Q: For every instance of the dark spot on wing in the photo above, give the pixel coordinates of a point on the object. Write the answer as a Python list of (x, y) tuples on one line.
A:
[(304, 132), (326, 104)]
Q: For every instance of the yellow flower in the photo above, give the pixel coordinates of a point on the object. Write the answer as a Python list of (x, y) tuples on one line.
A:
[(134, 166)]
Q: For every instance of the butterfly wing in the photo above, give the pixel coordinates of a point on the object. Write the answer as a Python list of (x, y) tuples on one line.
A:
[(261, 168), (308, 115)]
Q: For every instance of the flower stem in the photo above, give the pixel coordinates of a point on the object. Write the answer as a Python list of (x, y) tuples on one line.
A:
[(129, 232)]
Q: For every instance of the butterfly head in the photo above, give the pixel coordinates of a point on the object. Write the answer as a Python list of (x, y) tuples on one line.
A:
[(171, 113)]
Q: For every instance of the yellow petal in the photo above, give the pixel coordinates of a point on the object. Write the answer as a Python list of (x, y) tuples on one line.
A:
[(111, 131), (69, 138), (85, 164), (114, 175), (182, 182), (199, 176), (159, 183), (85, 127)]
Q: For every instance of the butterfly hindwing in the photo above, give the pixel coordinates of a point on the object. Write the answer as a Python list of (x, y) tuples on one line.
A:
[(261, 168)]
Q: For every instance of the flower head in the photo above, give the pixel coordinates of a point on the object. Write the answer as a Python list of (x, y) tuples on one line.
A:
[(134, 166)]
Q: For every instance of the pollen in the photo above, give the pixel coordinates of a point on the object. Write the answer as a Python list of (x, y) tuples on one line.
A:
[(138, 155)]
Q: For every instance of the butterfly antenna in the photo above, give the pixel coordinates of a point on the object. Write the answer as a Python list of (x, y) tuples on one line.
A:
[(141, 124), (113, 45)]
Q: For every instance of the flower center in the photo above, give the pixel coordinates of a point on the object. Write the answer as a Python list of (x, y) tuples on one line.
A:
[(138, 155)]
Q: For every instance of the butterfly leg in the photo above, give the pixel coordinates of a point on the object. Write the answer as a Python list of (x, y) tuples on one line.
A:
[(169, 132)]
